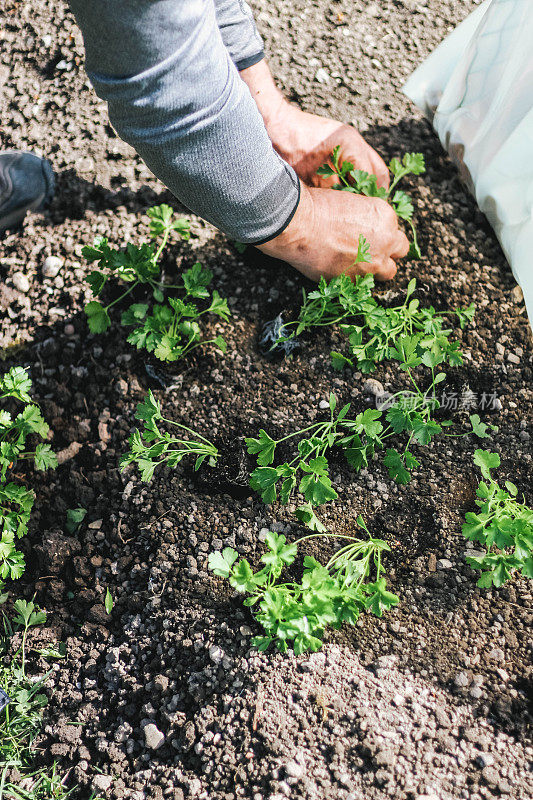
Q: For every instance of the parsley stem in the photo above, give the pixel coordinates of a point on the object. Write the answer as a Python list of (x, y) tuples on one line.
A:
[(122, 296), (189, 430)]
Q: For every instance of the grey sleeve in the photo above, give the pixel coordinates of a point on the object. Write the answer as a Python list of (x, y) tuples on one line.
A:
[(175, 95), (239, 34)]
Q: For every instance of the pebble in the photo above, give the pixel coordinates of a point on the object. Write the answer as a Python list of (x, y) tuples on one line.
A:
[(216, 654), (101, 783), (51, 266), (372, 386), (21, 282), (161, 683), (153, 737), (517, 294), (294, 769), (321, 75), (461, 679), (444, 563), (497, 654), (69, 452), (490, 776), (398, 700), (323, 404)]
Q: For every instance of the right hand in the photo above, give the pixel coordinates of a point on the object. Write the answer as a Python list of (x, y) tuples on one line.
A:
[(322, 237)]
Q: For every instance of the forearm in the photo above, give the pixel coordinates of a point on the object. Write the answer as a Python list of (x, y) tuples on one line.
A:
[(175, 95)]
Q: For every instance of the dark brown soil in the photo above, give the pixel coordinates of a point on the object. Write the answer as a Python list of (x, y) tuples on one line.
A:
[(428, 703)]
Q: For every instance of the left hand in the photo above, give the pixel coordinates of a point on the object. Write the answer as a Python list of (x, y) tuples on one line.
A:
[(306, 141)]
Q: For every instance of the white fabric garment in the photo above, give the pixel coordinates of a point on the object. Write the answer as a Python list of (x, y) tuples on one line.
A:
[(477, 90)]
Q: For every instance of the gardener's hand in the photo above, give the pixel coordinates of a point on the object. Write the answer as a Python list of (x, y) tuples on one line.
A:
[(323, 236), (304, 140)]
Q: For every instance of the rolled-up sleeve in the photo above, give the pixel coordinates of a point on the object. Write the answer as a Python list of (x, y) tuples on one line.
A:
[(239, 33), (175, 95)]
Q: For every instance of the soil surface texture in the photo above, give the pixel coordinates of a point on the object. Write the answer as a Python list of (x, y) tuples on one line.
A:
[(164, 697)]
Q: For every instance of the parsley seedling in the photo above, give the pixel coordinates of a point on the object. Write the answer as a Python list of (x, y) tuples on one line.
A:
[(169, 330), (503, 526), (21, 721), (156, 446), (407, 413), (360, 182), (16, 501), (373, 339), (327, 595), (133, 264), (372, 329)]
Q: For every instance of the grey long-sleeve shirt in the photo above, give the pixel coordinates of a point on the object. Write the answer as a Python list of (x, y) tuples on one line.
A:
[(168, 70)]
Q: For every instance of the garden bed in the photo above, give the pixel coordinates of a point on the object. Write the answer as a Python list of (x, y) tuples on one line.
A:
[(430, 701)]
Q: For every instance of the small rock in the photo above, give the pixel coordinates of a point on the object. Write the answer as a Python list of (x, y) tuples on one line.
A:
[(490, 776), (216, 654), (153, 737), (294, 769), (497, 654), (103, 432), (51, 266), (372, 386), (69, 329), (461, 680), (323, 404), (511, 357), (432, 562), (102, 783), (21, 282), (517, 294), (398, 700), (444, 563), (321, 75)]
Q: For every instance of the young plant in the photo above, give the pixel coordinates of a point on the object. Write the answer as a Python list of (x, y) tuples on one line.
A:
[(373, 339), (16, 433), (16, 430), (156, 446), (21, 719), (503, 526), (171, 331), (329, 304), (133, 264), (360, 182), (327, 595), (407, 413)]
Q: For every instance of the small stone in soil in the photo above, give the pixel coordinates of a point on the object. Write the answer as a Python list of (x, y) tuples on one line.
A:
[(153, 737), (51, 266), (21, 282)]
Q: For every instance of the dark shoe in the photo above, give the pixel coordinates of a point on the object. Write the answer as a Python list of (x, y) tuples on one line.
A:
[(26, 184)]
